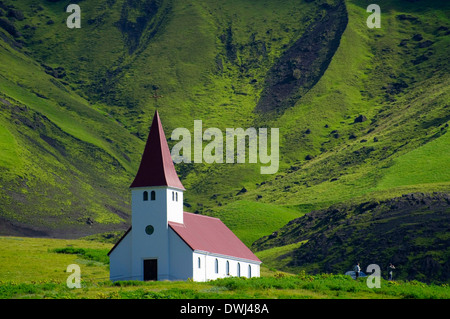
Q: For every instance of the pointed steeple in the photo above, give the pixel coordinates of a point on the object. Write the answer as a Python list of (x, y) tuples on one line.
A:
[(156, 167)]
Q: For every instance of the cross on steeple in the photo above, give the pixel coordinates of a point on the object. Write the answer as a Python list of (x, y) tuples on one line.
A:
[(156, 96)]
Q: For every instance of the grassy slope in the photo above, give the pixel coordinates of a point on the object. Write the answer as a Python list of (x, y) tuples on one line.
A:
[(55, 146), (409, 231), (251, 220), (367, 65), (105, 95), (426, 164), (414, 154), (401, 122)]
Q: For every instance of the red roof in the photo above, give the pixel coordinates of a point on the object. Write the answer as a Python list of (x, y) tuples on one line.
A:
[(156, 168), (209, 234)]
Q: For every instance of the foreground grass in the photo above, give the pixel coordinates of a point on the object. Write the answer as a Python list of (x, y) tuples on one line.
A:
[(36, 268), (324, 286), (34, 260)]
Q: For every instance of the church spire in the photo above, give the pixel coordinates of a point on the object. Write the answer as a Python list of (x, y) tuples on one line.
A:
[(156, 168)]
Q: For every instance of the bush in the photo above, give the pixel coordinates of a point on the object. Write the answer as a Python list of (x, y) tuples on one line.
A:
[(303, 276), (128, 283), (279, 274), (99, 255)]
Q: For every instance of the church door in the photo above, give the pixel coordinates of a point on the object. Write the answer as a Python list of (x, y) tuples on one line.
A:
[(150, 269)]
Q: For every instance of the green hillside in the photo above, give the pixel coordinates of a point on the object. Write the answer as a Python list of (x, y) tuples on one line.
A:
[(362, 113), (57, 149), (410, 231)]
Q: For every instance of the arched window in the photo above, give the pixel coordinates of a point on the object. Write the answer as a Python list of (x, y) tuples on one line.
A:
[(199, 262), (145, 196), (217, 266), (249, 271), (173, 196), (176, 196), (152, 195), (228, 268), (239, 270)]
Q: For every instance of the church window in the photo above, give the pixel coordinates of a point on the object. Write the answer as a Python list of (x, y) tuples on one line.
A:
[(149, 229), (173, 196), (217, 266), (199, 263), (239, 270), (145, 196), (228, 268), (176, 196), (152, 195), (249, 271)]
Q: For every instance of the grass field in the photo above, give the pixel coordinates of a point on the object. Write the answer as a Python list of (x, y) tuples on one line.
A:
[(426, 164), (36, 268)]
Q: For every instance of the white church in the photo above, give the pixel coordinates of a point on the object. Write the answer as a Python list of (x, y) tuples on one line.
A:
[(165, 243)]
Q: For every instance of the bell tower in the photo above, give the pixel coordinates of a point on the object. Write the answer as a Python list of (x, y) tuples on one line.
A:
[(156, 199)]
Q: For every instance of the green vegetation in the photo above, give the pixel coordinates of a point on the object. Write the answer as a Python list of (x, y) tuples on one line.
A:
[(34, 260), (40, 272), (409, 231), (252, 220), (280, 256), (426, 164), (289, 287), (99, 255)]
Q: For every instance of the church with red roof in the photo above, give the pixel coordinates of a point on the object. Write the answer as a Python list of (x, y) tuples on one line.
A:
[(166, 243)]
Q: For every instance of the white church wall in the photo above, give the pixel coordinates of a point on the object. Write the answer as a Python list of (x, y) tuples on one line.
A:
[(155, 245), (180, 258), (198, 266), (208, 266), (174, 200), (120, 260)]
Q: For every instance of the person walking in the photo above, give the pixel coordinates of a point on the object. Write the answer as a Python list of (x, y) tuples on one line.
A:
[(391, 271), (357, 271)]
